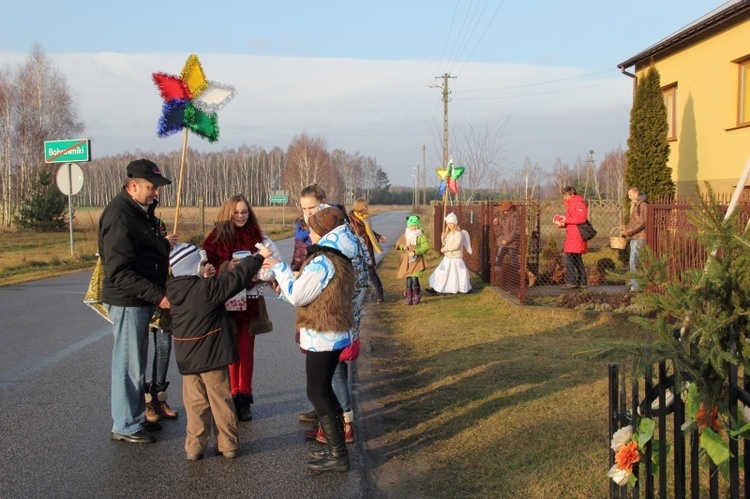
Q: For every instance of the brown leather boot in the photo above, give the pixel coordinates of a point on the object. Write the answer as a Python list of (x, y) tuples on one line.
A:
[(308, 417), (151, 415), (162, 408)]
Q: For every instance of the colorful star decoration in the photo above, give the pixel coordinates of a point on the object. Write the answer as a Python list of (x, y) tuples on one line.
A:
[(191, 101), (449, 178)]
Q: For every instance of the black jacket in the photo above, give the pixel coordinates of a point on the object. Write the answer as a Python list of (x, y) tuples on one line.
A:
[(203, 335), (134, 253)]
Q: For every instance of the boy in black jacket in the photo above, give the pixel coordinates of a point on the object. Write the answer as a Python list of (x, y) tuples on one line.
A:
[(204, 344)]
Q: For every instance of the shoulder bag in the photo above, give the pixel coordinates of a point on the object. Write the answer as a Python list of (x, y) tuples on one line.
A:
[(587, 230)]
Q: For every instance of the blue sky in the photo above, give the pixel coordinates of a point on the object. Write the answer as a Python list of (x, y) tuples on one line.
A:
[(357, 73)]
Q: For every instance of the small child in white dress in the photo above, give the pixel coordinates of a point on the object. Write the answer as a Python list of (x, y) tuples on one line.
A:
[(452, 276)]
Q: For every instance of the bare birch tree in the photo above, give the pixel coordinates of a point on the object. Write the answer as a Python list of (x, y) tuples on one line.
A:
[(307, 163), (611, 175), (482, 151), (277, 164), (6, 158), (350, 168), (527, 181), (561, 175), (45, 111)]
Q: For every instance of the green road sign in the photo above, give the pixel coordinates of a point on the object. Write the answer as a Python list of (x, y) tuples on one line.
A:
[(279, 199), (66, 151)]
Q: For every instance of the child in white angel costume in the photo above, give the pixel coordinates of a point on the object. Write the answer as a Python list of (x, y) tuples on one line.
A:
[(452, 276)]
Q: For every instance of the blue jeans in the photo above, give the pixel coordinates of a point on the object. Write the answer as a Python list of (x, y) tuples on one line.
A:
[(635, 248), (129, 356), (340, 385), (162, 351)]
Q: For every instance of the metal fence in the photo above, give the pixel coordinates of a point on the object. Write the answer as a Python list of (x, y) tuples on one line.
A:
[(670, 232), (682, 470), (535, 258)]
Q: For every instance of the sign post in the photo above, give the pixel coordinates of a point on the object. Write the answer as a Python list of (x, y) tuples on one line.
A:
[(69, 176), (280, 198), (70, 181)]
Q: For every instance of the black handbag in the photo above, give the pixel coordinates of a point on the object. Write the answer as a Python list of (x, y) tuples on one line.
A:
[(587, 230)]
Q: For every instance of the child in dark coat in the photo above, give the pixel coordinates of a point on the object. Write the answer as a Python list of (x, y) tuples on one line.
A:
[(204, 343)]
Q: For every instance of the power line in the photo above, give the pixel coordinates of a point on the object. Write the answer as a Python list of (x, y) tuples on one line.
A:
[(526, 85), (471, 21), (464, 34), (450, 30), (548, 92), (482, 35)]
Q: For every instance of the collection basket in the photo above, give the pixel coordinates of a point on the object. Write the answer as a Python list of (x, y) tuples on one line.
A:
[(617, 242)]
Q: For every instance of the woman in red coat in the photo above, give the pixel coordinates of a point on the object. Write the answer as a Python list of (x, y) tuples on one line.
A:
[(237, 229), (576, 212)]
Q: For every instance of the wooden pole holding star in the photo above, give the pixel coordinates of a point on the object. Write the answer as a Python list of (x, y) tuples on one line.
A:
[(179, 181), (449, 182), (191, 102)]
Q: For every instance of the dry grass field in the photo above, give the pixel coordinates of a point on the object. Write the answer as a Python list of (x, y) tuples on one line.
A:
[(471, 396), (28, 255)]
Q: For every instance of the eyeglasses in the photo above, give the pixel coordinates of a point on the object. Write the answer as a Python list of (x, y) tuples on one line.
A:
[(241, 213)]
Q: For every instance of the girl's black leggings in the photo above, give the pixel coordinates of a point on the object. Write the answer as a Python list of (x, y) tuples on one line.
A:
[(320, 367)]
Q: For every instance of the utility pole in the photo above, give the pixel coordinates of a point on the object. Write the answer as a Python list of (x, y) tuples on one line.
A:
[(445, 118), (446, 92), (424, 179), (414, 195)]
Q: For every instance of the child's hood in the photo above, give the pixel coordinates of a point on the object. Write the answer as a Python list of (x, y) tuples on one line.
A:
[(342, 239)]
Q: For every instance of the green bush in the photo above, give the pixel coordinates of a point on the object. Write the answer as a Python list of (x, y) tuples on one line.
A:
[(45, 209)]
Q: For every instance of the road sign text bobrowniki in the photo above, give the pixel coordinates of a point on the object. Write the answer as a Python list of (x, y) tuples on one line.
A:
[(66, 151)]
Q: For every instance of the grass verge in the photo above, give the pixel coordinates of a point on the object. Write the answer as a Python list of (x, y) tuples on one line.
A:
[(471, 396)]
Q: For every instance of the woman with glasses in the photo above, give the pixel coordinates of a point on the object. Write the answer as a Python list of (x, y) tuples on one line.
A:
[(237, 229)]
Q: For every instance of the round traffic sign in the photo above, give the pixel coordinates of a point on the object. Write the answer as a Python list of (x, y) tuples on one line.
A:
[(69, 178)]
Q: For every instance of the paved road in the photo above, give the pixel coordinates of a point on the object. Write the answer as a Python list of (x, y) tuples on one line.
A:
[(55, 422)]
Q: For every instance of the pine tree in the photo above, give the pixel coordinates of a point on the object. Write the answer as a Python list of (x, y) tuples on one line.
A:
[(698, 320), (697, 323), (46, 208), (648, 149)]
